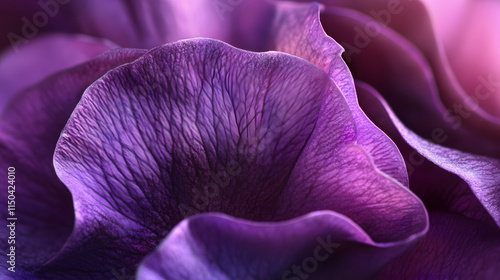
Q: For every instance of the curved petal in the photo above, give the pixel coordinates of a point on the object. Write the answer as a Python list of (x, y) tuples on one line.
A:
[(463, 238), (43, 57), (399, 71), (411, 19), (199, 126), (297, 30), (320, 245), (140, 151), (481, 173), (43, 204)]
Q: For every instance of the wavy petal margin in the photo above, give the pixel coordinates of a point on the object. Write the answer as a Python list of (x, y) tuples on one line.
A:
[(319, 245), (413, 20), (199, 126), (297, 30), (400, 72), (462, 242), (481, 173)]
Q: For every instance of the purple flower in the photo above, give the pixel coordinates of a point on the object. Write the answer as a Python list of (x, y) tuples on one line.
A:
[(139, 148)]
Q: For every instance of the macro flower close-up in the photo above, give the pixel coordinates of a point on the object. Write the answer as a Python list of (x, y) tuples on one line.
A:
[(250, 139)]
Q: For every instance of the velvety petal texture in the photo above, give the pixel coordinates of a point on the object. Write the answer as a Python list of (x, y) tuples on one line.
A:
[(43, 204), (199, 126), (43, 57), (200, 160), (320, 245)]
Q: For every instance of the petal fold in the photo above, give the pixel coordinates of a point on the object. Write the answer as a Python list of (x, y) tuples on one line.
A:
[(420, 22), (320, 245), (199, 126), (406, 82), (482, 174), (297, 30)]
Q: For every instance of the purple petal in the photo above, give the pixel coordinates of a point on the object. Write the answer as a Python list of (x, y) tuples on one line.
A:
[(438, 188), (481, 173), (143, 143), (320, 245), (334, 172), (199, 126), (141, 24), (463, 239), (29, 129), (43, 57), (313, 170), (399, 71), (412, 20), (297, 30)]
